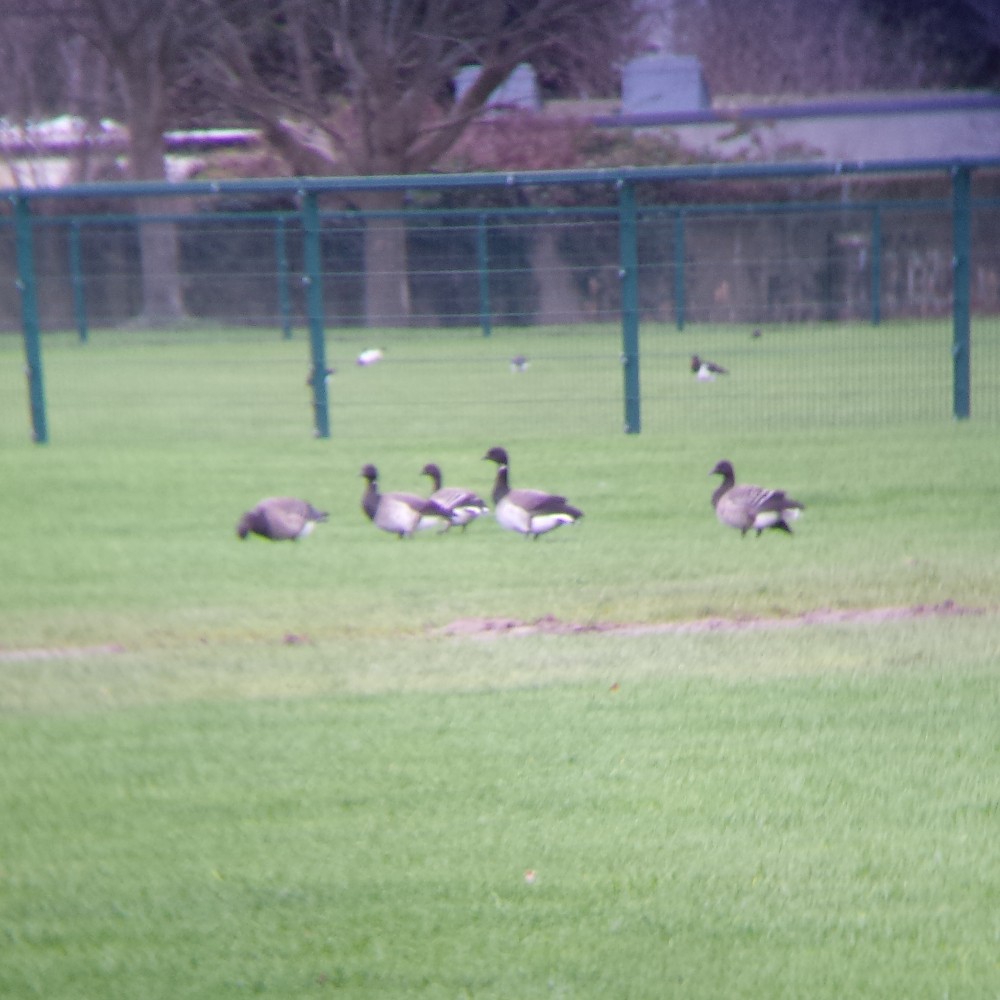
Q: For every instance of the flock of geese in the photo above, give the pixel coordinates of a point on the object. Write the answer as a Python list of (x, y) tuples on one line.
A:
[(529, 512)]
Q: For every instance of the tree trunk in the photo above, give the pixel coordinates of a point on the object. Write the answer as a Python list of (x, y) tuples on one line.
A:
[(559, 300), (159, 245), (387, 271)]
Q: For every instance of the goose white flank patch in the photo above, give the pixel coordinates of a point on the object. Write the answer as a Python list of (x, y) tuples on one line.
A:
[(370, 357), (398, 513), (746, 506), (530, 512), (463, 505), (706, 371), (280, 519)]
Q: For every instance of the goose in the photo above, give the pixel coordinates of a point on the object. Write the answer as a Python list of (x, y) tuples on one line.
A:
[(398, 513), (280, 519), (706, 370), (518, 363), (370, 357), (531, 512), (745, 506), (463, 505)]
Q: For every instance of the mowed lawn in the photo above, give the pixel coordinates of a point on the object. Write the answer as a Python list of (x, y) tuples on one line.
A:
[(233, 768)]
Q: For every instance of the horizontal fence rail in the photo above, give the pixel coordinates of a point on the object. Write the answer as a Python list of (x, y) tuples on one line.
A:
[(611, 250)]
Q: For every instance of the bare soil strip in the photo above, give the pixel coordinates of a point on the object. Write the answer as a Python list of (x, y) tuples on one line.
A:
[(550, 625), (489, 628), (58, 652)]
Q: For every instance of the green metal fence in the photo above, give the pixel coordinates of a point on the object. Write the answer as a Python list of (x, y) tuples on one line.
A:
[(636, 249)]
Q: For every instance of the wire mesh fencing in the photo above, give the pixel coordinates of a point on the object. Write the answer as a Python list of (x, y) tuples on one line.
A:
[(561, 313)]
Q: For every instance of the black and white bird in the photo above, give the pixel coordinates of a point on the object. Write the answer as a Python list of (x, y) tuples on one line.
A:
[(280, 519), (706, 370), (463, 505), (327, 373), (518, 363), (746, 506), (531, 512), (398, 513)]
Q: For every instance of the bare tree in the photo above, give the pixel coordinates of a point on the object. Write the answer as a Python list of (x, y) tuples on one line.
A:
[(146, 45), (366, 87), (808, 47)]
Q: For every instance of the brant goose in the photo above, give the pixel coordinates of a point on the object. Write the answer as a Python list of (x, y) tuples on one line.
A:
[(280, 519), (531, 512), (398, 513), (463, 505), (745, 506)]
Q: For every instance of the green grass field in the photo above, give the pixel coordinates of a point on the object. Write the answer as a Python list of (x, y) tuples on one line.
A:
[(195, 805)]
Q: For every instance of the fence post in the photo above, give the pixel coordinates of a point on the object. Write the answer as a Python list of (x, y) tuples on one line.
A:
[(29, 317), (76, 279), (313, 280), (961, 188), (679, 276), (629, 275), (483, 267), (281, 260), (876, 276)]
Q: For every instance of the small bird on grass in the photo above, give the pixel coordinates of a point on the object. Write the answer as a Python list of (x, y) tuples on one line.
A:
[(327, 372), (280, 519), (518, 363), (706, 370), (370, 357), (745, 506)]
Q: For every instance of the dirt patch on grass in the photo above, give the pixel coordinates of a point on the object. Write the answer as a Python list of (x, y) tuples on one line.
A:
[(488, 628), (550, 625), (57, 652)]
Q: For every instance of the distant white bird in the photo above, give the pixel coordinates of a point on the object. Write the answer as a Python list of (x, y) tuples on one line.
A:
[(370, 357), (518, 363), (705, 371)]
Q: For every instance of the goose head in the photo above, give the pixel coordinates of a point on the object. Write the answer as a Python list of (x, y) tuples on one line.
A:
[(432, 470), (724, 469), (369, 472), (498, 455)]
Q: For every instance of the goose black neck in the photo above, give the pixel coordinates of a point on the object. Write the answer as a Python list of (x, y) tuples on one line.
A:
[(369, 502), (501, 487), (728, 481)]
